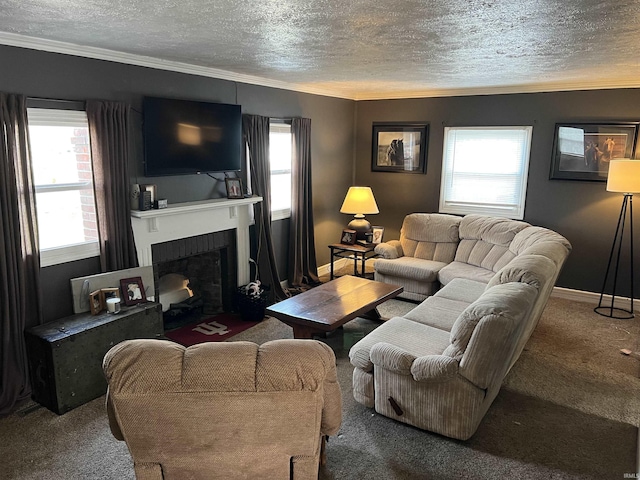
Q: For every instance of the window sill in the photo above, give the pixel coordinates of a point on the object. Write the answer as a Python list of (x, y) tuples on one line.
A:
[(280, 214), (70, 253)]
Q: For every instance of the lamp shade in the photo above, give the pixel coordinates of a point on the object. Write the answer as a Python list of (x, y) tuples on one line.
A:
[(359, 200), (624, 176)]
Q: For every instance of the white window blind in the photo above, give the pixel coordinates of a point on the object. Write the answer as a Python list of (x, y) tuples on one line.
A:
[(484, 170)]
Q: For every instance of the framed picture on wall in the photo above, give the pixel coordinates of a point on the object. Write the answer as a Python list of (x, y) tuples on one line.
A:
[(400, 147), (582, 151)]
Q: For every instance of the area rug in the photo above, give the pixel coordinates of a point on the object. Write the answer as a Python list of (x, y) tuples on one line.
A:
[(213, 329)]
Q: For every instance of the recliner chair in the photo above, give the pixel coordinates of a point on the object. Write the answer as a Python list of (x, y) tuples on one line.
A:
[(223, 410)]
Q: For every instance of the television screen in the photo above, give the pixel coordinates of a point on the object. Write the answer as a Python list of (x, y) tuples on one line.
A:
[(185, 137)]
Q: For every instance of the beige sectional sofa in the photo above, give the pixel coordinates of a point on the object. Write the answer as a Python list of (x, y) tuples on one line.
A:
[(485, 282)]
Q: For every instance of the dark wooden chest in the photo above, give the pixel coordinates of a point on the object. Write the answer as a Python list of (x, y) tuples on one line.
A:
[(65, 356)]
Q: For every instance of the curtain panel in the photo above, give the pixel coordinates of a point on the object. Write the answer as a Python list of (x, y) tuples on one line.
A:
[(256, 133), (20, 303), (109, 135), (303, 268)]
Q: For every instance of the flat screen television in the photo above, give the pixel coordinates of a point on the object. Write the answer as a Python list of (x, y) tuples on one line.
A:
[(184, 137)]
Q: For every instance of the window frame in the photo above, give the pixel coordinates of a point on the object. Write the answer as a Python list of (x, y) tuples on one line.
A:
[(447, 205), (274, 124), (41, 113)]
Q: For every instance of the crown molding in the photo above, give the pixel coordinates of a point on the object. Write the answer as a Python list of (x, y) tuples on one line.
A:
[(502, 90), (66, 48)]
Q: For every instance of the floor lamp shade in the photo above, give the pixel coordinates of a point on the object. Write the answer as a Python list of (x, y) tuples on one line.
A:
[(623, 177), (359, 202)]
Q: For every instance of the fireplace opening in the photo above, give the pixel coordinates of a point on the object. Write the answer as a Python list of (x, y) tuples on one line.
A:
[(195, 276)]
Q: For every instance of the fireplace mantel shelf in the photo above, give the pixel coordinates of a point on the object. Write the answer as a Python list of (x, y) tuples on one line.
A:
[(180, 208), (189, 219)]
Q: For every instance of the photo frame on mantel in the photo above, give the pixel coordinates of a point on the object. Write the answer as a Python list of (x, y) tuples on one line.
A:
[(400, 147), (582, 151)]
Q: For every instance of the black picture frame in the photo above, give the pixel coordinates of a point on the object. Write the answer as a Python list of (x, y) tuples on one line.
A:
[(582, 151), (132, 291), (234, 187), (400, 147), (348, 237)]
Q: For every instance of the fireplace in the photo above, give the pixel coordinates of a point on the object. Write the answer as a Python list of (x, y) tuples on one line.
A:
[(208, 261), (198, 228)]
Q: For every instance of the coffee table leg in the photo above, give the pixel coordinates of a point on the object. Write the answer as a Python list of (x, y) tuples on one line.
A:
[(302, 332), (373, 315)]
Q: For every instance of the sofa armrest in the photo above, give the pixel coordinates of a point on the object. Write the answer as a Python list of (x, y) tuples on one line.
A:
[(390, 250), (434, 368), (392, 358)]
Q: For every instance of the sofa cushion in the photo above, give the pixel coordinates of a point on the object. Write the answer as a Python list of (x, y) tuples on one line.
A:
[(463, 290), (464, 270), (411, 268), (485, 241), (430, 236), (413, 337), (437, 312), (535, 235)]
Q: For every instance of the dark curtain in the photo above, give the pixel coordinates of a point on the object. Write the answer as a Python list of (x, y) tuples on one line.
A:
[(256, 133), (302, 250), (19, 254), (109, 135)]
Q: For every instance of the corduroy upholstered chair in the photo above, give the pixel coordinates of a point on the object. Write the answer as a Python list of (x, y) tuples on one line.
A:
[(223, 410)]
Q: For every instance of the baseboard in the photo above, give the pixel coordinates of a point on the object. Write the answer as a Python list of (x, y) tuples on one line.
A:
[(590, 297), (337, 265)]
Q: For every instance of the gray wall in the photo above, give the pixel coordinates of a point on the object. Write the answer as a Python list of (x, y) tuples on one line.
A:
[(582, 211), (64, 77)]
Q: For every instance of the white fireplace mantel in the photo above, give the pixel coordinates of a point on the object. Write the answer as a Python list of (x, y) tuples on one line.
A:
[(183, 220)]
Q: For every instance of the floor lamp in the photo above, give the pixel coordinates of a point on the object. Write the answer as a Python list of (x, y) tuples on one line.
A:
[(624, 177)]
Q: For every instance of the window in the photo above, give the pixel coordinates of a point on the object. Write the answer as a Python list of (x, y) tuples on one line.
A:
[(61, 158), (280, 165), (484, 170)]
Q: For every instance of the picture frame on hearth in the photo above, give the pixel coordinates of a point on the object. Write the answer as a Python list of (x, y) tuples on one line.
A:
[(582, 151), (110, 292), (234, 187), (96, 302), (400, 147), (132, 291)]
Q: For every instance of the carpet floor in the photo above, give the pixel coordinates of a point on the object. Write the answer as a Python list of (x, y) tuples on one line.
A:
[(569, 409)]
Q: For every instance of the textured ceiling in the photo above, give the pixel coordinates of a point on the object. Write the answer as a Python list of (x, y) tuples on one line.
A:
[(354, 49)]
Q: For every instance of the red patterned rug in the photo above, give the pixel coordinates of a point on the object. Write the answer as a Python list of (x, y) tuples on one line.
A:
[(213, 329)]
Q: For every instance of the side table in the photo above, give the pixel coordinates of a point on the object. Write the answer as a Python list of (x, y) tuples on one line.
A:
[(359, 253)]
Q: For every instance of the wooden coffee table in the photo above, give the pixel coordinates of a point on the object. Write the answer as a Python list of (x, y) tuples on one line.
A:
[(332, 304)]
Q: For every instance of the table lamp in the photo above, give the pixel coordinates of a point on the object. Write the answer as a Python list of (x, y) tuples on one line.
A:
[(624, 177), (359, 202)]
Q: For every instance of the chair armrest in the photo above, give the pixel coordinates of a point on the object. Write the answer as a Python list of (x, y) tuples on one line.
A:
[(113, 421), (392, 358), (332, 406), (434, 368), (332, 395), (390, 250)]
